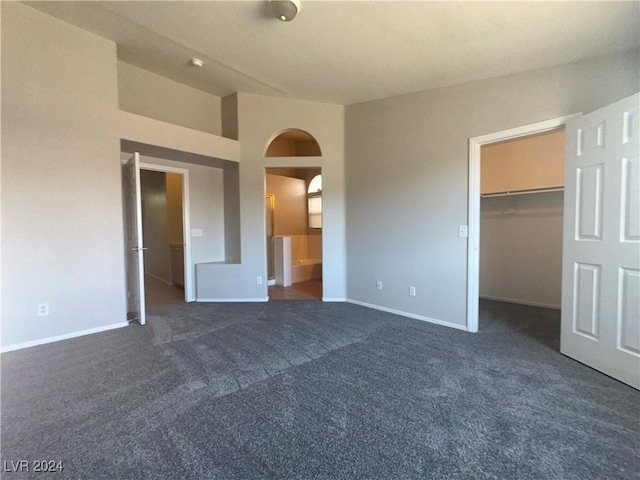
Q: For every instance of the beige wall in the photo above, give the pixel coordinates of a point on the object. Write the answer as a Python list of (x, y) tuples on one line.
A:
[(154, 224), (62, 229), (290, 214), (407, 175), (174, 208), (154, 96), (521, 248)]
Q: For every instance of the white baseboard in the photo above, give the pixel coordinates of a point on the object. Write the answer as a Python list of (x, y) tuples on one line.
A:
[(231, 300), (520, 302), (66, 336), (409, 315), (271, 283), (329, 299), (160, 279)]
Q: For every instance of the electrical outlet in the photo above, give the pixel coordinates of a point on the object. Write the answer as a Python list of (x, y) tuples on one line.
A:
[(412, 291), (378, 285), (259, 280), (43, 309)]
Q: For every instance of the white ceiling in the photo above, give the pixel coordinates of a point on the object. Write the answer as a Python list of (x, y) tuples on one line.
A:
[(349, 52)]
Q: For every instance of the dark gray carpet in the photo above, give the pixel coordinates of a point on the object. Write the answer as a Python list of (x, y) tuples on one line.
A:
[(311, 390)]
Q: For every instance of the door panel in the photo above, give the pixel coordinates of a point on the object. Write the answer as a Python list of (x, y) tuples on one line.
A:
[(589, 204), (601, 255), (134, 249), (630, 200)]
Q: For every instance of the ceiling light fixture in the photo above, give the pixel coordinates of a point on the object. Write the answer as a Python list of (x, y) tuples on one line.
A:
[(196, 62), (285, 10)]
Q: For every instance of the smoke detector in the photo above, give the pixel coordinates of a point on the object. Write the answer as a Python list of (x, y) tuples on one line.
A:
[(285, 10)]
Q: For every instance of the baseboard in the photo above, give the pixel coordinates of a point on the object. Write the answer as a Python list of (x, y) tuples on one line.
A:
[(520, 302), (271, 283), (160, 279), (329, 299), (409, 315), (66, 336), (231, 300)]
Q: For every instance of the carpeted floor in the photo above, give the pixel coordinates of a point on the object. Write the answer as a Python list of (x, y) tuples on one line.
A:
[(311, 390)]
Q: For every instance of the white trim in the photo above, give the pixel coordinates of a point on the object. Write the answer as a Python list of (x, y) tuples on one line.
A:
[(66, 336), (271, 283), (329, 299), (520, 302), (231, 300), (189, 291), (473, 243), (409, 315)]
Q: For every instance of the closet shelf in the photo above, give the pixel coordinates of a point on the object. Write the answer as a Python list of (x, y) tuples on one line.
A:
[(522, 192)]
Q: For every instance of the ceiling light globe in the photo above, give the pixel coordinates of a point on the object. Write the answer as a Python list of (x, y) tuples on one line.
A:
[(285, 10)]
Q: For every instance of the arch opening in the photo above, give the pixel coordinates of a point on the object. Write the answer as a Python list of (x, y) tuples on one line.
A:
[(293, 142)]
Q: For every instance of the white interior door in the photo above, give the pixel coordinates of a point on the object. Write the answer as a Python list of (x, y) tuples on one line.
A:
[(601, 250), (134, 241)]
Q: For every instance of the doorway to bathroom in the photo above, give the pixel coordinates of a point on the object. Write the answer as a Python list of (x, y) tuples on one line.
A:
[(293, 215)]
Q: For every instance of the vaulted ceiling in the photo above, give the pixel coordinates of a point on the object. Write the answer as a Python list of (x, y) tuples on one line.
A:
[(349, 52)]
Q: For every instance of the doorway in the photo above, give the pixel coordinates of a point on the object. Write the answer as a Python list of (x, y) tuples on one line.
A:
[(521, 223), (163, 234), (475, 152), (293, 215), (156, 213)]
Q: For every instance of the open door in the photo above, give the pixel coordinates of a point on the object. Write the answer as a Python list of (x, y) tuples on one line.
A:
[(134, 249), (601, 246)]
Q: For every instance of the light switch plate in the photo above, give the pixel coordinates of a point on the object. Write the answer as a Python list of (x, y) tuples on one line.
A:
[(463, 231), (196, 232)]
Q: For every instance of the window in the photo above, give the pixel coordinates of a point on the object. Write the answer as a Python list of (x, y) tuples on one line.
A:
[(314, 195)]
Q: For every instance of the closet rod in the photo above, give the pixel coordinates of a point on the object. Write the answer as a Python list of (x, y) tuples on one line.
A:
[(522, 192)]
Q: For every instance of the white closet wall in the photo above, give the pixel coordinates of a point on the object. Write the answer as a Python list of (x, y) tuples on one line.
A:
[(521, 248), (521, 234)]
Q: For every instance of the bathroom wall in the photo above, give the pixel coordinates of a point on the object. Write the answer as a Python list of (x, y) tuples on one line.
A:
[(290, 213)]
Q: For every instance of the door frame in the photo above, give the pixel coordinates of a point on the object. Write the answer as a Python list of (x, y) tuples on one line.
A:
[(473, 242), (264, 208), (270, 201), (189, 291)]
